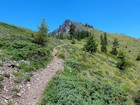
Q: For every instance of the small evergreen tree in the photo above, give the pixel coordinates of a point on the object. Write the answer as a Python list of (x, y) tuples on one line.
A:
[(40, 36), (91, 45), (122, 64), (43, 28), (72, 31), (105, 38), (103, 43), (114, 50)]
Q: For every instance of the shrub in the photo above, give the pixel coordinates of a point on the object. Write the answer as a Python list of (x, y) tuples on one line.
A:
[(61, 55), (75, 65), (6, 75), (114, 50), (40, 38), (27, 78), (15, 90), (18, 80), (68, 90), (91, 45), (18, 74), (1, 78), (138, 58), (36, 55), (73, 41), (1, 85), (122, 64)]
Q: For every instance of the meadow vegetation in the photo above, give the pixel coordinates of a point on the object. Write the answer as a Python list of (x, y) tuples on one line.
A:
[(92, 78), (100, 68)]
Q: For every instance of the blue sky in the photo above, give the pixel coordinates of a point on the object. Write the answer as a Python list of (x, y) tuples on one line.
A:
[(116, 16)]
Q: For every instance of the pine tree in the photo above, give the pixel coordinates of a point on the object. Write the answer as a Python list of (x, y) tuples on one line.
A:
[(105, 38), (91, 45), (72, 30), (40, 36), (43, 28), (122, 64), (103, 43), (114, 50)]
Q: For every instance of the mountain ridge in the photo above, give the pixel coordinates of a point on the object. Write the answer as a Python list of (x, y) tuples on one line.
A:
[(65, 27)]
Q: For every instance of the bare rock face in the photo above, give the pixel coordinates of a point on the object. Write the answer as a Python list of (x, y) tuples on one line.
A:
[(64, 28)]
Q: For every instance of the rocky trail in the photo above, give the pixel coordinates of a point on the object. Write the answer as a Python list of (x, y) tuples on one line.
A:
[(33, 91)]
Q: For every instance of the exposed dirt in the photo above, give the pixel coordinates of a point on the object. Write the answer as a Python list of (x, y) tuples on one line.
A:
[(31, 92), (34, 90)]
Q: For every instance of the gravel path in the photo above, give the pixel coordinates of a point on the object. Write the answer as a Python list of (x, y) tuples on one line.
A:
[(33, 91)]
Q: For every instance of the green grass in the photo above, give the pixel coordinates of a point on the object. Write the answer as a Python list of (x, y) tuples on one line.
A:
[(67, 89), (1, 78), (1, 85), (99, 70), (15, 90), (21, 47), (88, 79)]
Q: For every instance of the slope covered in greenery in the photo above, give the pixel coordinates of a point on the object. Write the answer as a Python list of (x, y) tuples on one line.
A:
[(11, 30), (92, 79), (17, 43), (128, 44), (88, 79)]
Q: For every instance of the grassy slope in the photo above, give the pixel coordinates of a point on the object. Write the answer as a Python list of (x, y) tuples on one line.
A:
[(11, 30), (99, 67), (17, 44), (128, 44), (83, 67)]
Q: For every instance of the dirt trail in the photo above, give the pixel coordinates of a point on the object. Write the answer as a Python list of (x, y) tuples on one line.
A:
[(33, 91)]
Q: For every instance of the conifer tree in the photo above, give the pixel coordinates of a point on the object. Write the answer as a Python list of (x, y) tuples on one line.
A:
[(103, 43), (43, 28), (105, 38), (40, 36), (91, 45), (114, 50), (72, 31), (122, 64)]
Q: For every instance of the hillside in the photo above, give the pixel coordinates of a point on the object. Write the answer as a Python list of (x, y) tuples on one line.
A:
[(128, 44), (94, 79), (91, 79), (20, 57), (84, 79), (11, 30)]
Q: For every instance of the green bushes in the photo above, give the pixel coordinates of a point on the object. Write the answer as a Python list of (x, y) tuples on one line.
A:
[(1, 78), (36, 55), (1, 85), (75, 65), (138, 58), (91, 45), (137, 98), (73, 41), (123, 64), (69, 90), (40, 38)]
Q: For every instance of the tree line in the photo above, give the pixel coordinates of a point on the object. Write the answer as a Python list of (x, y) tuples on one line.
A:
[(40, 37)]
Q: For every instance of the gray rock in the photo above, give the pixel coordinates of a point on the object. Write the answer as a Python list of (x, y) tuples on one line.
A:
[(19, 94), (2, 72)]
